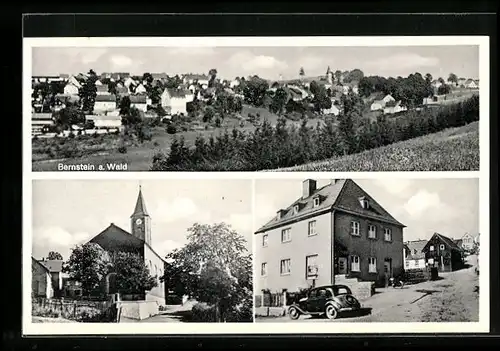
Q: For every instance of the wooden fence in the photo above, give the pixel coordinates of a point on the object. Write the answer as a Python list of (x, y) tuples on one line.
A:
[(77, 310)]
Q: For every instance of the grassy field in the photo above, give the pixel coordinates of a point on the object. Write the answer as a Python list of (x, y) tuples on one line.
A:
[(454, 149), (139, 156)]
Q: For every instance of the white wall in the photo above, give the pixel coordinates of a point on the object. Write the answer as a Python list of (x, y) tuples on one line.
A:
[(156, 266)]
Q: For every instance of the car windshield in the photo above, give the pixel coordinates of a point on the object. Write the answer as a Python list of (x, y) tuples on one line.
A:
[(341, 290)]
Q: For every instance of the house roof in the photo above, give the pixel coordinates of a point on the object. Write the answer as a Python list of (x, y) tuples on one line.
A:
[(103, 117), (447, 241), (102, 88), (53, 266), (41, 265), (196, 76), (41, 116), (459, 242), (162, 75), (104, 98), (415, 248), (468, 81), (64, 75), (329, 195), (178, 93), (121, 90), (138, 99)]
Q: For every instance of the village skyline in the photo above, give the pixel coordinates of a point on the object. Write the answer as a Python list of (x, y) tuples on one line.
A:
[(424, 206), (67, 213), (266, 62)]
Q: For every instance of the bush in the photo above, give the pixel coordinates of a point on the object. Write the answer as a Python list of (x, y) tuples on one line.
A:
[(203, 312), (122, 149), (171, 129)]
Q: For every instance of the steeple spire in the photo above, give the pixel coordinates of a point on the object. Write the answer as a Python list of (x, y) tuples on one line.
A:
[(140, 206)]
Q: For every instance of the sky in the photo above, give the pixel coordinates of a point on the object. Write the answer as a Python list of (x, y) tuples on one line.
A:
[(266, 62), (447, 206), (70, 212)]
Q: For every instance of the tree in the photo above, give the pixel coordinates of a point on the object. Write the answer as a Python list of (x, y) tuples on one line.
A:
[(209, 114), (88, 264), (302, 73), (255, 91), (212, 75), (68, 116), (428, 78), (88, 92), (444, 89), (125, 106), (314, 87), (279, 101), (54, 255), (452, 78), (132, 275), (338, 75), (355, 75), (148, 77), (213, 267)]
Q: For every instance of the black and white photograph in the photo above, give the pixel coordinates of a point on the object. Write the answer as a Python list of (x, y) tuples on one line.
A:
[(310, 104), (151, 251), (367, 250)]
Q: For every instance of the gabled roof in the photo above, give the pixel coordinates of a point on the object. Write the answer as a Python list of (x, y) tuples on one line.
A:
[(159, 75), (103, 98), (459, 242), (330, 199), (102, 88), (121, 90), (178, 93), (34, 260), (53, 266), (415, 249), (196, 76), (41, 116), (445, 240), (138, 99)]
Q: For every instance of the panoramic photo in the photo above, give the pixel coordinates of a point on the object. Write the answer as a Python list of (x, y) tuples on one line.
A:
[(367, 250), (280, 108), (128, 251)]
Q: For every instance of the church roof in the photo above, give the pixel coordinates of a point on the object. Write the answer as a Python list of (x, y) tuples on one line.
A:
[(140, 206), (53, 266)]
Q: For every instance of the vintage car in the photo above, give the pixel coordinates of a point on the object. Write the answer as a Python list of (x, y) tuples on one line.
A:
[(328, 300)]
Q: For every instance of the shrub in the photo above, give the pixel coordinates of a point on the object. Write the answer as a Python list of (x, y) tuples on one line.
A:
[(203, 312), (122, 149), (171, 129)]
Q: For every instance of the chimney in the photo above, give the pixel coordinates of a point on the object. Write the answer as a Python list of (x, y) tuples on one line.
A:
[(308, 188), (334, 181)]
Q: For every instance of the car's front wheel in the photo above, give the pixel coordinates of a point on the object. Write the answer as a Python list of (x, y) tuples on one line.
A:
[(331, 312), (293, 313)]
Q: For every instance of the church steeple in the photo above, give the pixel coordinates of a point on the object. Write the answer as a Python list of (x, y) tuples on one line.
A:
[(140, 220)]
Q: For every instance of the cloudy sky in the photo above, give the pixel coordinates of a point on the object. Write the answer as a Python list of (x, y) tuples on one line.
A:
[(69, 212), (425, 206), (267, 62)]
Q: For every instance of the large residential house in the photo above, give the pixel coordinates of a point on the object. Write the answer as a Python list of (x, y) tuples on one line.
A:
[(327, 235), (467, 242), (380, 104), (41, 280), (174, 101), (57, 276), (115, 239), (443, 253), (104, 103), (139, 102), (414, 256)]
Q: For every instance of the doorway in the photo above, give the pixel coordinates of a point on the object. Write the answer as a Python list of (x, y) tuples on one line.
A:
[(388, 266), (342, 267)]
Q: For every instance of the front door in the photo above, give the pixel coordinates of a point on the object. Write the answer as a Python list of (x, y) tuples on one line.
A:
[(342, 265), (388, 267)]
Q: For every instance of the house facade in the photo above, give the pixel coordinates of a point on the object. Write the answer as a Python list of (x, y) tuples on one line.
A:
[(380, 104), (57, 276), (115, 239), (468, 242), (41, 280), (71, 89), (414, 256), (139, 102), (105, 103), (394, 108), (443, 253), (102, 89), (327, 235), (174, 101)]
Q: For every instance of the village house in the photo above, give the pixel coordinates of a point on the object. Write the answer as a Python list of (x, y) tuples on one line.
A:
[(467, 242), (140, 89), (115, 239), (174, 101), (98, 82), (139, 102), (471, 84), (461, 82), (105, 103), (102, 89), (72, 88), (394, 107), (129, 82), (57, 276), (443, 253), (333, 110), (39, 121), (414, 256), (380, 104), (45, 79), (122, 91), (107, 121), (436, 84), (201, 79), (335, 234), (41, 280)]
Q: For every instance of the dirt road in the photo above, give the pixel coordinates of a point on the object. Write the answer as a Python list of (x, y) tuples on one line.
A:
[(452, 298)]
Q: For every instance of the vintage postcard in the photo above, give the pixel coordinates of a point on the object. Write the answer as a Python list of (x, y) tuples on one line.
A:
[(255, 104)]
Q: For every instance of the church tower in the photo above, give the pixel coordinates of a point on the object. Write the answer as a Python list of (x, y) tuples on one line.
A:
[(329, 75), (140, 220)]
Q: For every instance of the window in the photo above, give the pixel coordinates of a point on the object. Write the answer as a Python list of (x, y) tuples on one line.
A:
[(407, 264), (285, 266), (354, 228), (415, 251), (388, 234), (372, 231), (311, 266), (364, 202), (355, 264), (264, 240), (263, 269), (416, 263), (286, 235), (372, 265), (441, 247), (295, 209), (431, 248), (316, 201), (311, 228)]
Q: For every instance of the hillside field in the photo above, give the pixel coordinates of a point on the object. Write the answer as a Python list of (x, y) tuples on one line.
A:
[(454, 149)]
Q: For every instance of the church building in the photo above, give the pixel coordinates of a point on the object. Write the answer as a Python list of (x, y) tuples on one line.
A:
[(138, 241)]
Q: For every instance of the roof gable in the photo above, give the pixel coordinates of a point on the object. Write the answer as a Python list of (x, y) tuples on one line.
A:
[(53, 266), (415, 249), (443, 239), (349, 200), (114, 238)]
